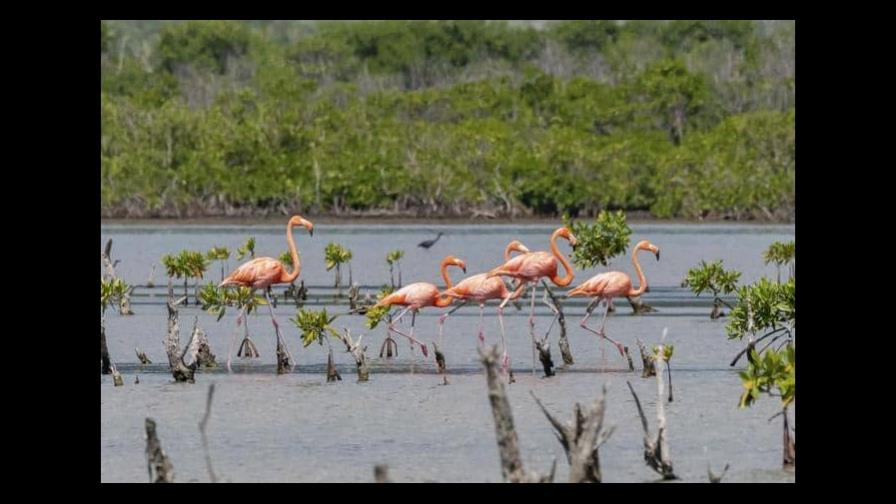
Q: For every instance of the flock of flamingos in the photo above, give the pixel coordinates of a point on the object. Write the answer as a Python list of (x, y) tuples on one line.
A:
[(526, 269)]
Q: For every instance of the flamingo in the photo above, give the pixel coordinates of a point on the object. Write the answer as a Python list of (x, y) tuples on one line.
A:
[(613, 284), (262, 272), (531, 267), (419, 295), (480, 289)]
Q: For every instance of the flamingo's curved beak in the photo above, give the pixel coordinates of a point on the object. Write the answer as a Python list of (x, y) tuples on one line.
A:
[(657, 255), (311, 231)]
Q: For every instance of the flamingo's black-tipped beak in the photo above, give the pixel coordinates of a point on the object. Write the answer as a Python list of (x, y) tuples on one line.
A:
[(310, 231), (657, 255), (464, 268)]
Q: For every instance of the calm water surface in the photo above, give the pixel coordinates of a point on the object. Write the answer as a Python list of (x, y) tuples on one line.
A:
[(297, 427)]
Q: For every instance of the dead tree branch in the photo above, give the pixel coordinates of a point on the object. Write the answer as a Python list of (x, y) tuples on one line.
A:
[(157, 463), (202, 424)]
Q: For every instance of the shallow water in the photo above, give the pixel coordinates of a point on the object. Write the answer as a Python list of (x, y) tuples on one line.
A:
[(297, 427)]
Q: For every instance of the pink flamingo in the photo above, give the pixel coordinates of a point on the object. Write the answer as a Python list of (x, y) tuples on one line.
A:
[(419, 295), (262, 272), (531, 267), (613, 284), (480, 289)]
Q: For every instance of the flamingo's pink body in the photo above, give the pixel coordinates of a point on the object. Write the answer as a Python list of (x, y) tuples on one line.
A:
[(480, 288), (613, 284), (262, 272), (529, 268), (420, 295)]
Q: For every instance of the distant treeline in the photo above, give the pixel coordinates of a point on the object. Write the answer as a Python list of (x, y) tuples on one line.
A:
[(680, 119)]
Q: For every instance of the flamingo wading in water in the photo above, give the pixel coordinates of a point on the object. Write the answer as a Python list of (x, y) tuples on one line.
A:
[(531, 267), (613, 284), (480, 289), (419, 295), (262, 272)]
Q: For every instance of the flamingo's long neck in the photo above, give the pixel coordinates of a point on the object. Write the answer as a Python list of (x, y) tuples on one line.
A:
[(642, 280), (510, 248), (444, 300), (296, 265), (567, 279)]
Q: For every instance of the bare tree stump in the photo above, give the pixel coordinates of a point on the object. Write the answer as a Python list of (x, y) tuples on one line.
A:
[(544, 356), (357, 351), (141, 356), (656, 451), (202, 425), (332, 372), (440, 363), (557, 308), (647, 360), (581, 438), (639, 307), (157, 463), (105, 361), (284, 366), (204, 356), (181, 371), (117, 380), (381, 474), (714, 478), (789, 445), (508, 445)]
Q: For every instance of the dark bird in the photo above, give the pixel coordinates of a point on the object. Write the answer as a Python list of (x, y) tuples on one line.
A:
[(429, 243)]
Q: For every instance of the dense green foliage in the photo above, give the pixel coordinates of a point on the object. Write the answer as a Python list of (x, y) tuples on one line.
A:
[(216, 299), (599, 242), (681, 119), (314, 325)]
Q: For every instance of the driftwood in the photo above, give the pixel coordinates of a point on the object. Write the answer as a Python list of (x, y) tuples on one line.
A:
[(105, 361), (284, 366), (357, 351), (581, 438), (202, 425), (544, 356), (157, 463), (181, 371), (332, 372), (508, 445), (381, 474), (555, 306), (656, 451)]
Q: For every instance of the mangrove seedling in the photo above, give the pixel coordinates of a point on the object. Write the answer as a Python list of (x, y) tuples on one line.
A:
[(315, 325), (247, 248), (375, 315), (221, 254), (781, 254), (112, 291), (215, 300), (712, 277), (394, 258), (335, 255), (763, 307), (188, 264), (600, 242), (774, 374)]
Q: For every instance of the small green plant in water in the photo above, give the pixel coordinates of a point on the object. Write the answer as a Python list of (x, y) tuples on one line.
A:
[(781, 254), (248, 248), (335, 255), (315, 325), (221, 254), (112, 292), (712, 277), (215, 300), (394, 258), (188, 264)]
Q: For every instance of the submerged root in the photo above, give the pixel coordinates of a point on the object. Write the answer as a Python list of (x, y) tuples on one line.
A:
[(248, 350)]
